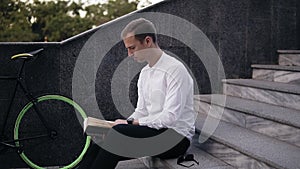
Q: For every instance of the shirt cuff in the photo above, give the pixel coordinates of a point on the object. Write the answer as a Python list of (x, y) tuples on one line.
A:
[(142, 122)]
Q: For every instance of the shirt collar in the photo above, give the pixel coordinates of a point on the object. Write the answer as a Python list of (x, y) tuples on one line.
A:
[(158, 62)]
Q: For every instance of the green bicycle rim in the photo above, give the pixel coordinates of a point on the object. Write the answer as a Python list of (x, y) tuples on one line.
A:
[(40, 99)]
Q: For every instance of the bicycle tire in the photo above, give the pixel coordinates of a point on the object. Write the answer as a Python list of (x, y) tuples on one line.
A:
[(27, 160)]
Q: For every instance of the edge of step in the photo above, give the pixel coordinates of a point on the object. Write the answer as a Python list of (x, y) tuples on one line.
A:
[(277, 67), (288, 51), (264, 110), (268, 85)]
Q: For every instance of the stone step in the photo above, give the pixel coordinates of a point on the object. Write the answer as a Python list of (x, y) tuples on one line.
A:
[(243, 148), (282, 94), (206, 161), (289, 57), (275, 121), (277, 73)]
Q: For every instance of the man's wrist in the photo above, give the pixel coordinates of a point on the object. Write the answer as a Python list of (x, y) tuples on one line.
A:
[(130, 120), (135, 122)]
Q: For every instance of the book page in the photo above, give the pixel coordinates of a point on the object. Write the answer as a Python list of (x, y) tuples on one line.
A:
[(91, 121)]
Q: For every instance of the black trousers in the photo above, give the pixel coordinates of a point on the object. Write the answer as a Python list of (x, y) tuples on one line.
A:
[(99, 158)]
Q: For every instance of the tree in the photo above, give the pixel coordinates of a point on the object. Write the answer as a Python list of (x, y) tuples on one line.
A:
[(55, 20), (110, 10), (14, 22)]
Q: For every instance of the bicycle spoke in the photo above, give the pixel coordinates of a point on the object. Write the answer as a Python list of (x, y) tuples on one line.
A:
[(32, 137), (8, 145)]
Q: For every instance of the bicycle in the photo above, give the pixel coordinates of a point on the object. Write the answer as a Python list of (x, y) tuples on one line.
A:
[(34, 130)]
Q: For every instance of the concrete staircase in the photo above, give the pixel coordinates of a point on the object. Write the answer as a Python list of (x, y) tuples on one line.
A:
[(260, 124)]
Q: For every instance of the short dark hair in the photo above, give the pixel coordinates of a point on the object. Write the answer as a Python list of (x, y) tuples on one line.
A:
[(140, 28)]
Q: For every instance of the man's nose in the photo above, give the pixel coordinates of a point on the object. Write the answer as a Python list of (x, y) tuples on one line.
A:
[(130, 53)]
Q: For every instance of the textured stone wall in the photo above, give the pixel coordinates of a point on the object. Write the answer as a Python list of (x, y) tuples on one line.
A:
[(298, 24)]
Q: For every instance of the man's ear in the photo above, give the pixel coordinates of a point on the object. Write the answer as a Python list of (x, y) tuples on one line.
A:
[(148, 41)]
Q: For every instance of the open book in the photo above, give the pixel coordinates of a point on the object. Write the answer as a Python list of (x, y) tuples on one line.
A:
[(92, 124)]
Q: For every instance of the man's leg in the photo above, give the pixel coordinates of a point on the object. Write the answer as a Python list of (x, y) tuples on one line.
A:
[(89, 157), (176, 151), (108, 160)]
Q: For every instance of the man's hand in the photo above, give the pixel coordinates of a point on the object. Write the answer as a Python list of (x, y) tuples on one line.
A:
[(120, 121)]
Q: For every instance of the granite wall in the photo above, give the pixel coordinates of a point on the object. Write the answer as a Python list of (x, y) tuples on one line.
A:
[(298, 23), (243, 32)]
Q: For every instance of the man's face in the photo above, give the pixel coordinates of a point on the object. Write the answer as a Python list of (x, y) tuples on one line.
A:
[(136, 49)]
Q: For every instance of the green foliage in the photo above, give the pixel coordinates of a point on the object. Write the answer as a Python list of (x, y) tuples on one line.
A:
[(55, 20), (14, 22)]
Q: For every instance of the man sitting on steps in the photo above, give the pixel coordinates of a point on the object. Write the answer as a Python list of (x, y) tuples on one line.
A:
[(163, 122)]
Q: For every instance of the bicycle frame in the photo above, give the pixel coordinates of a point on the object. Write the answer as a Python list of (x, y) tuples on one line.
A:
[(20, 82)]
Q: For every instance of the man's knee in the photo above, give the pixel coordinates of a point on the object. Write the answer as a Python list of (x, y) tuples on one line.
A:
[(120, 127)]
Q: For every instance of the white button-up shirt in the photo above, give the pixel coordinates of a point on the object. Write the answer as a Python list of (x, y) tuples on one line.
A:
[(165, 97)]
